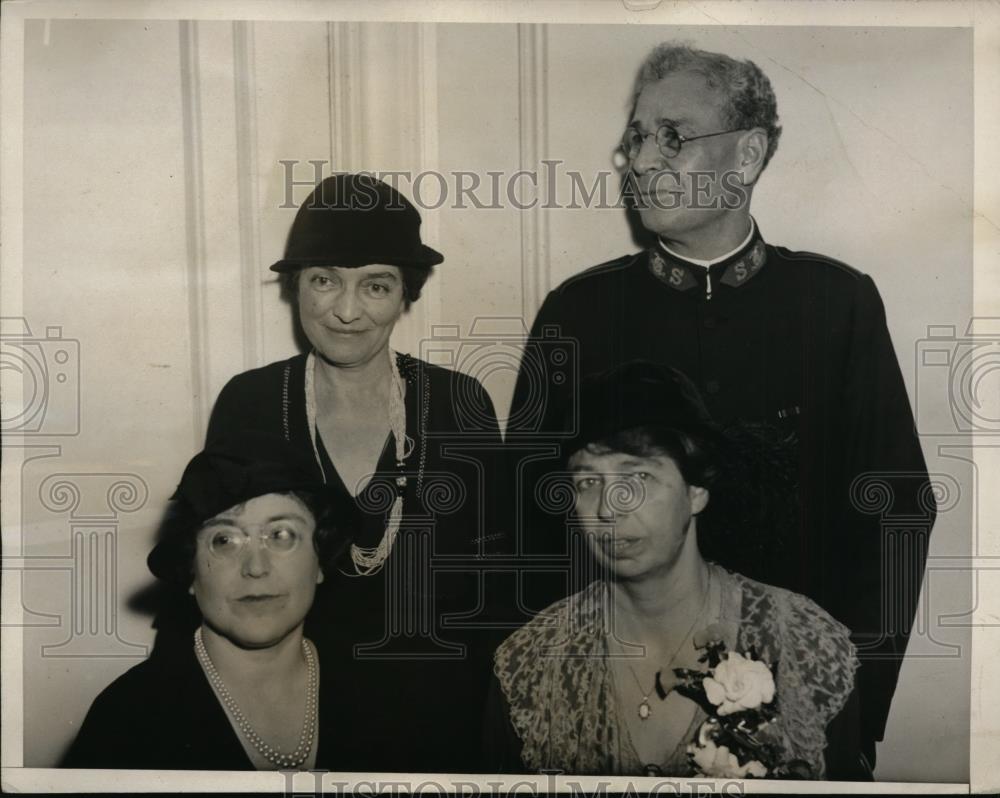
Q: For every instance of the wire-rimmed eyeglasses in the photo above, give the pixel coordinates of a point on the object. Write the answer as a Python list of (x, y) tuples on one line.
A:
[(668, 140), (229, 543)]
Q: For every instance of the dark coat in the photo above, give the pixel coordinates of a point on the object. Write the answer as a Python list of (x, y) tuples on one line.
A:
[(795, 346), (413, 699), (163, 715)]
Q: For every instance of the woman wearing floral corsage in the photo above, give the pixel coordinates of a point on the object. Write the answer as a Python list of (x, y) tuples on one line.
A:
[(667, 664)]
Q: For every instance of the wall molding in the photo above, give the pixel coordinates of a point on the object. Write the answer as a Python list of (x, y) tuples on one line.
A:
[(195, 225), (426, 145), (248, 192), (533, 134), (345, 73)]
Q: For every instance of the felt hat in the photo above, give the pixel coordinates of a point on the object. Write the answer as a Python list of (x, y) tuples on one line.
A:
[(228, 472), (635, 394), (354, 220)]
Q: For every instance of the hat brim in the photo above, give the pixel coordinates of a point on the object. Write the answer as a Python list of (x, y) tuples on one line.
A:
[(425, 259), (170, 557), (167, 557)]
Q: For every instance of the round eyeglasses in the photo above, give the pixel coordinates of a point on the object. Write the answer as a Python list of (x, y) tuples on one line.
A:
[(230, 543), (668, 140)]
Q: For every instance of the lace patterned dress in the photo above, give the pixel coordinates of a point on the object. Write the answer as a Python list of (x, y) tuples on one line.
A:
[(558, 693)]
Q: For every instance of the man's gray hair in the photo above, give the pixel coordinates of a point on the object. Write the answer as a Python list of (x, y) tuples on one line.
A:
[(749, 98)]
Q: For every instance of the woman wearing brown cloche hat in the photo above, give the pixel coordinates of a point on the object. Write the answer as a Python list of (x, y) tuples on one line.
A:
[(416, 448)]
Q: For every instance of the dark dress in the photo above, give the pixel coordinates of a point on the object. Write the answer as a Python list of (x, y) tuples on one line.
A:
[(405, 691), (163, 715), (791, 345)]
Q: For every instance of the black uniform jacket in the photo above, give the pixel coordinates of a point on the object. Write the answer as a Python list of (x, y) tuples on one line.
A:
[(163, 715), (796, 346), (406, 688)]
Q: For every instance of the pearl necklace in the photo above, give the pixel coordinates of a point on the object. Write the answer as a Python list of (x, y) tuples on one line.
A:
[(279, 759)]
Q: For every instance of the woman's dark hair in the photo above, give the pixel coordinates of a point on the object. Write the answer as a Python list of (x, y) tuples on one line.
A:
[(414, 278), (750, 474), (694, 453), (334, 528)]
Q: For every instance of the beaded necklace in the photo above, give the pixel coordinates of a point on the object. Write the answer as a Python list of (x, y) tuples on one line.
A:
[(279, 759), (369, 561)]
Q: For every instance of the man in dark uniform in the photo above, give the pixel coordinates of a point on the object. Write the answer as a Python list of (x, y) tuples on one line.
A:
[(793, 344)]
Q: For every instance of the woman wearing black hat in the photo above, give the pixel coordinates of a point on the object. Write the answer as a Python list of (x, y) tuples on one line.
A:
[(669, 664), (250, 533), (414, 446)]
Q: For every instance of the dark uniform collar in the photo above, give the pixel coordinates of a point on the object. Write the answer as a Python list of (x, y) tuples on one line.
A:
[(735, 271)]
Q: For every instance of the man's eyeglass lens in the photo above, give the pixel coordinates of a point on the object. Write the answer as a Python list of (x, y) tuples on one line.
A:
[(668, 141)]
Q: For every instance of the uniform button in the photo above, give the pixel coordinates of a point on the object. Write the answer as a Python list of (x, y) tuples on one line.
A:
[(710, 322), (712, 386)]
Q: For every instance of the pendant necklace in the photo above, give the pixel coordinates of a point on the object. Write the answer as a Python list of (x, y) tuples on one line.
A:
[(645, 709)]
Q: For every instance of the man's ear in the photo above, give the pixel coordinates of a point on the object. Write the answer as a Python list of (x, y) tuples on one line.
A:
[(698, 496), (320, 576), (752, 150)]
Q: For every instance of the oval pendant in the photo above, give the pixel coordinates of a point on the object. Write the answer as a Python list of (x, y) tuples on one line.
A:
[(644, 710)]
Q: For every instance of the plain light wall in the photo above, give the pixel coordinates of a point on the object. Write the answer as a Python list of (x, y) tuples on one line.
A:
[(874, 168)]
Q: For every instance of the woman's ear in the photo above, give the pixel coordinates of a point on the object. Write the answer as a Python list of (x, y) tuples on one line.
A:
[(698, 496)]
